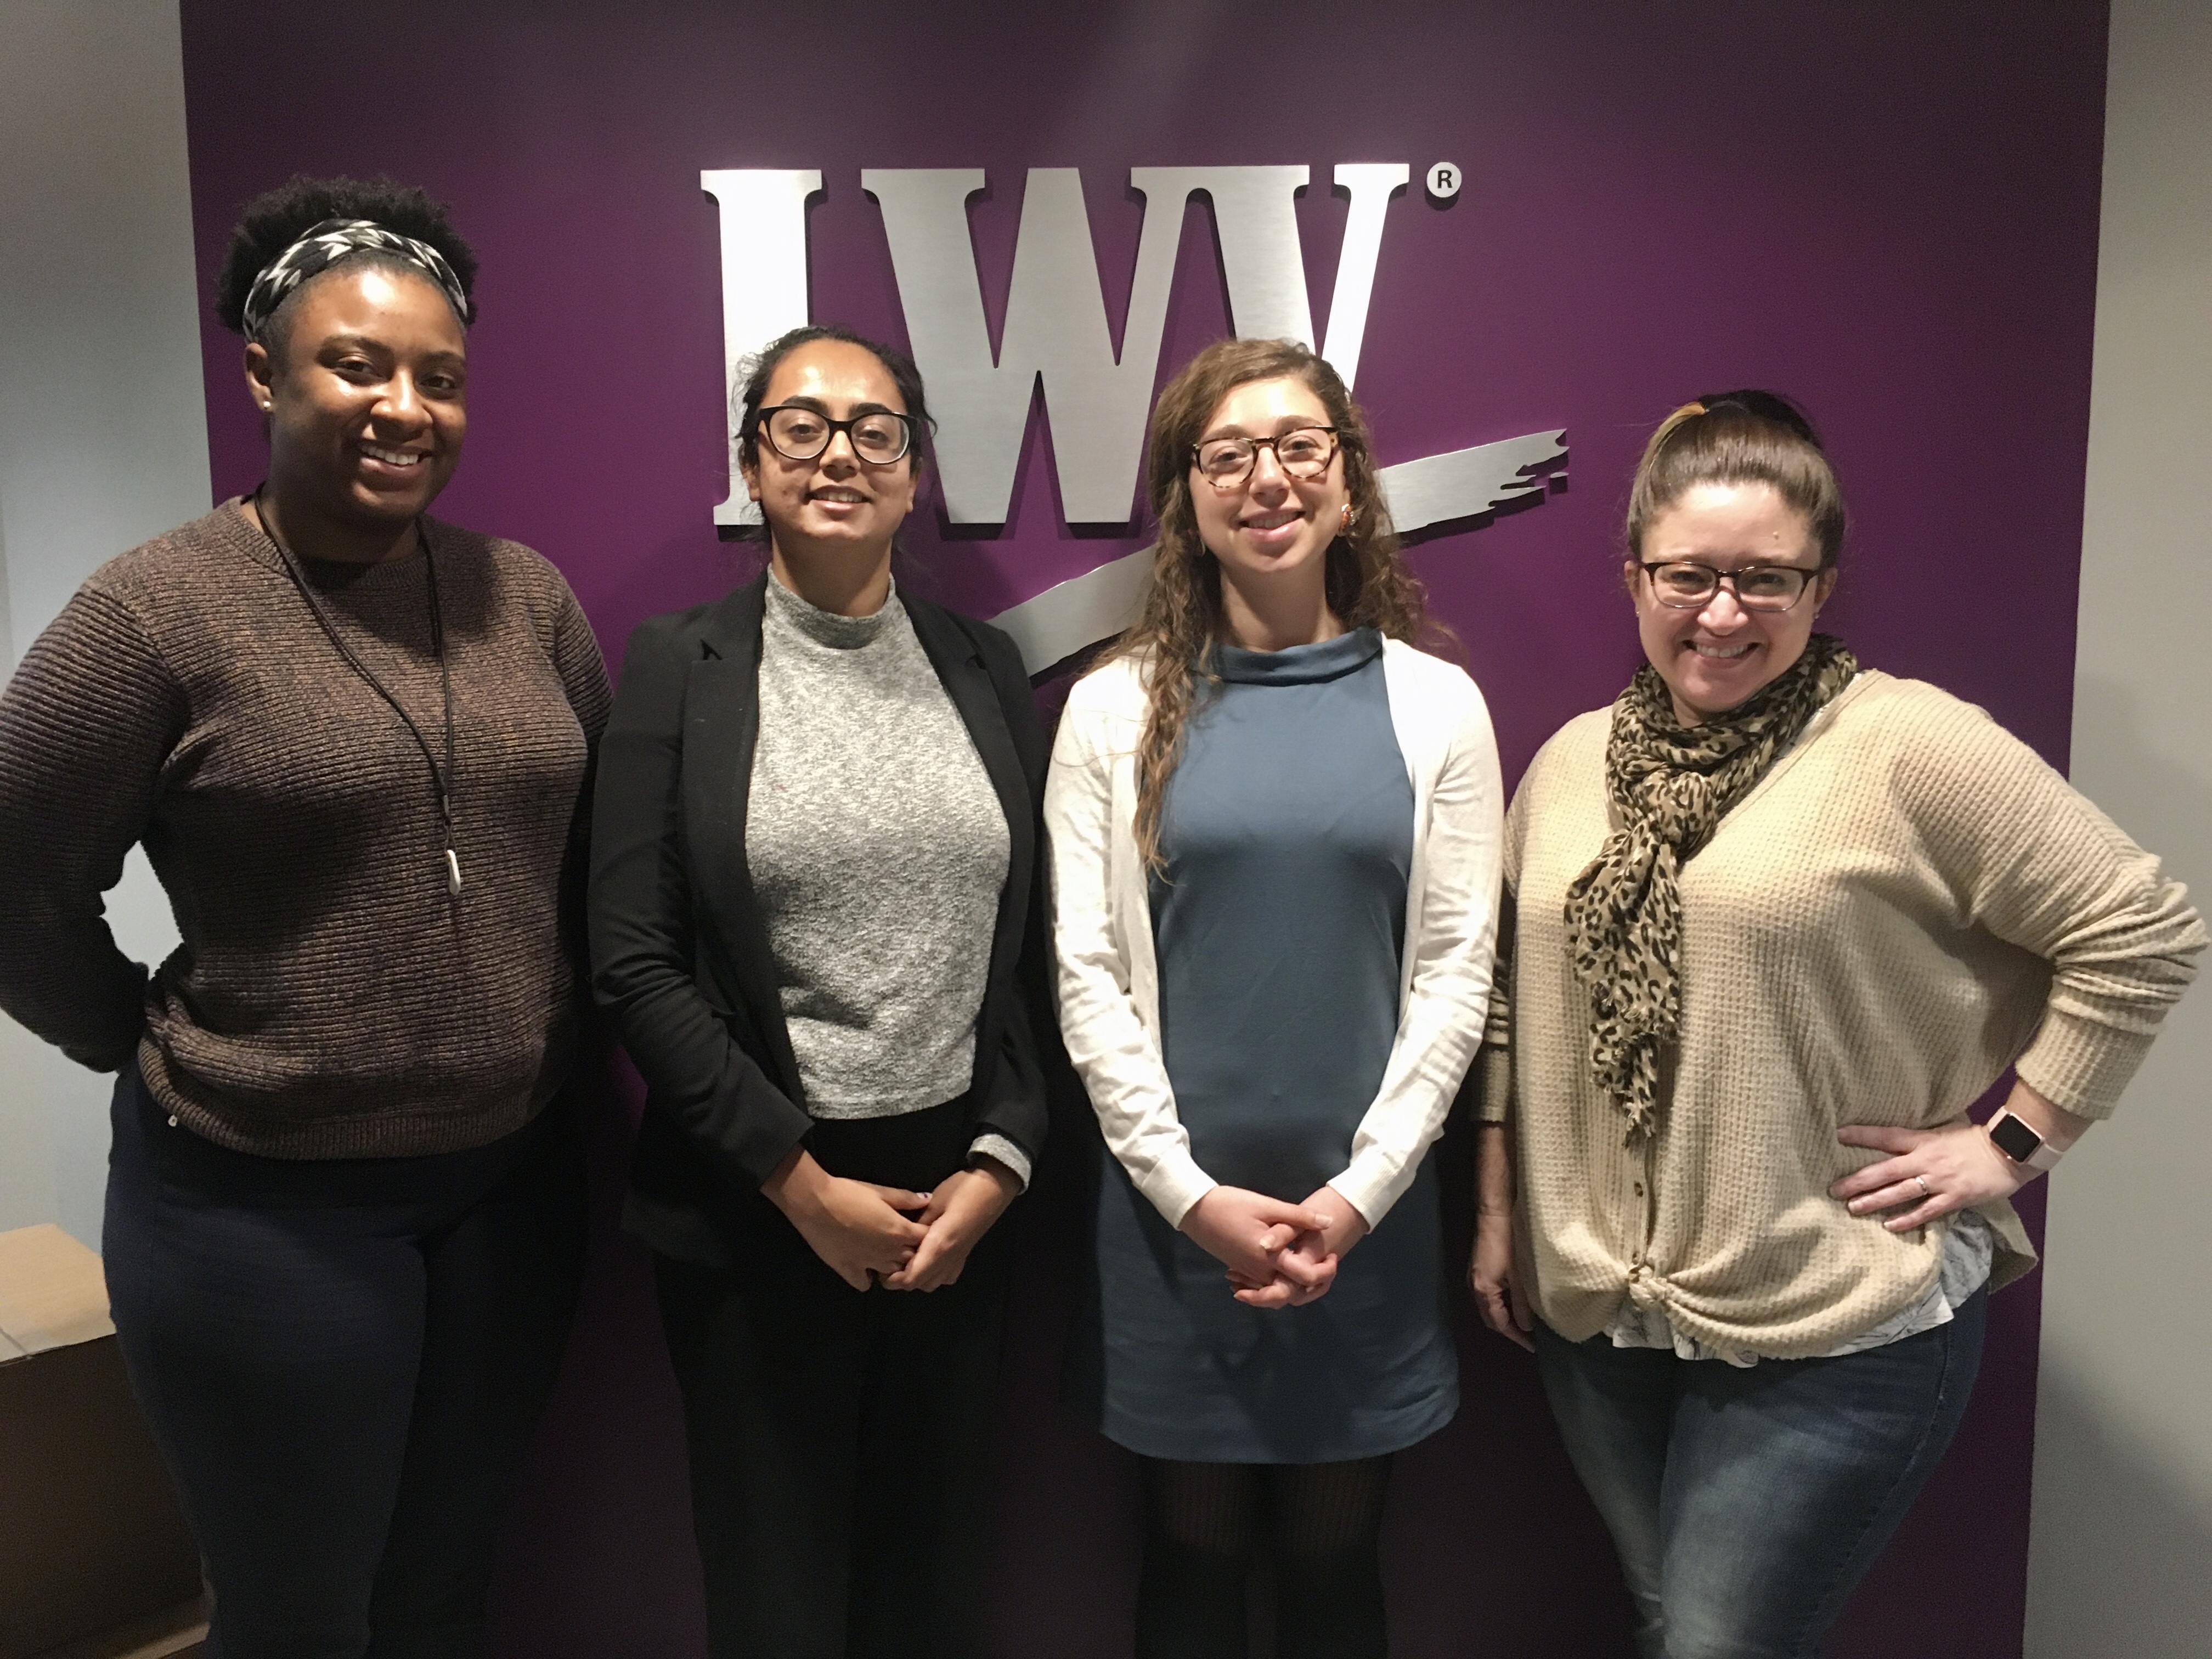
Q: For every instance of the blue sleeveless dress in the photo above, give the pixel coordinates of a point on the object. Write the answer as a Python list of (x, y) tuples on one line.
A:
[(1288, 831)]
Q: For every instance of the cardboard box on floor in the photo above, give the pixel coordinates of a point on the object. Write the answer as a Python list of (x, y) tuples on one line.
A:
[(90, 1535)]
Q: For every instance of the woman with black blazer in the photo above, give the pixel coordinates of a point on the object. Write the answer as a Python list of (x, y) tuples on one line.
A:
[(814, 836)]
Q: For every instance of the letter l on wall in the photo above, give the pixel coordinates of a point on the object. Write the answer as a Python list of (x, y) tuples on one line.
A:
[(763, 229)]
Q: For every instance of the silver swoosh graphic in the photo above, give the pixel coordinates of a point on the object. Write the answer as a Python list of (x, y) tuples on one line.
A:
[(1434, 490)]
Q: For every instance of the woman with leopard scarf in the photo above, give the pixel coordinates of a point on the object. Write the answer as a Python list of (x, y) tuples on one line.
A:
[(1781, 920)]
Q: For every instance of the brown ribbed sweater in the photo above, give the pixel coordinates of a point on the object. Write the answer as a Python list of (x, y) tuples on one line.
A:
[(1908, 902), (330, 999)]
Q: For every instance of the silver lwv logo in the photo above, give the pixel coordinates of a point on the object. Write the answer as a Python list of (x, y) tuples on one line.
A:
[(1056, 334)]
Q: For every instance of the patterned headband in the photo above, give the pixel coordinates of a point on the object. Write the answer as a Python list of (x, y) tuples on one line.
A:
[(330, 242)]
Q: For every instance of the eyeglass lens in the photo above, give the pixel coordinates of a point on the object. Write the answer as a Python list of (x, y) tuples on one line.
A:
[(1756, 587), (1304, 453), (800, 434)]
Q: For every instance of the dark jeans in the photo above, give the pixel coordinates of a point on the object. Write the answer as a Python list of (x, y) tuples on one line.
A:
[(342, 1361), (841, 1440), (1747, 1504)]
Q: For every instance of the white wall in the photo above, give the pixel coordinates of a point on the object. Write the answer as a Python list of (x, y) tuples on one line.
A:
[(103, 435), (2120, 1562)]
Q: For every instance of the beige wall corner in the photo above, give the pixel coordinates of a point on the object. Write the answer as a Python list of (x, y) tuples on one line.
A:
[(2122, 1531), (103, 432)]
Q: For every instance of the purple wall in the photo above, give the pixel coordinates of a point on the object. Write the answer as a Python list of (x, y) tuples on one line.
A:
[(1889, 211)]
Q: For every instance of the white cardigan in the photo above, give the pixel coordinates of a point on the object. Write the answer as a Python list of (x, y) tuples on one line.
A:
[(1110, 1009)]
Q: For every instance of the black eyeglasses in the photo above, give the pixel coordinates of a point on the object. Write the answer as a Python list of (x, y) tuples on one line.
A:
[(1304, 451), (1685, 585), (799, 434)]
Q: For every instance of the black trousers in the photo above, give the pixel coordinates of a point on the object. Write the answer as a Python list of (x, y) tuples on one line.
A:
[(840, 1439), (342, 1362)]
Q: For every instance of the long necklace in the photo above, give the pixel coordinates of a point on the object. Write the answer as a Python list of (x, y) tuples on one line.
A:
[(441, 777)]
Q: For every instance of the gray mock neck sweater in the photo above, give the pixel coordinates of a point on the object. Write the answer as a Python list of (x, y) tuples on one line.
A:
[(878, 850)]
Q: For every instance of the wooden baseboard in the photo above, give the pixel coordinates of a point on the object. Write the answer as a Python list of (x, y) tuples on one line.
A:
[(177, 1633)]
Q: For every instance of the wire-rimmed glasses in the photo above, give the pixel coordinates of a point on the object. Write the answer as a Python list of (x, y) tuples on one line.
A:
[(1685, 585), (1304, 451), (878, 436)]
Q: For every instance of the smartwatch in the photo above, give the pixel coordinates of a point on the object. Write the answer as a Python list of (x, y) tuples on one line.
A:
[(2019, 1143)]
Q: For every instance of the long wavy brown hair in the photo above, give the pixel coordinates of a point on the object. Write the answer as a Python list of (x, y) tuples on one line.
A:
[(1368, 585)]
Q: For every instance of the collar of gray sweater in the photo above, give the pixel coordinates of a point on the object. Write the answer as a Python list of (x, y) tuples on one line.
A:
[(840, 633)]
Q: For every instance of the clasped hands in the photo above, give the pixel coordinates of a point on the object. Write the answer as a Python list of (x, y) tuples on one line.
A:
[(871, 1235), (1279, 1255)]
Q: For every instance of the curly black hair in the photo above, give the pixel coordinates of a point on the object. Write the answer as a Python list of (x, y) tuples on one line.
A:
[(273, 221)]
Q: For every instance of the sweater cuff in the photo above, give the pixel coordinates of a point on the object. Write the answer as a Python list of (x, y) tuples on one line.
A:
[(997, 1147), (1370, 1187), (1494, 1067), (2081, 1065), (1175, 1184)]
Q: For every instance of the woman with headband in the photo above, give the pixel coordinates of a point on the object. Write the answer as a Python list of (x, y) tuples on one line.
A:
[(344, 1213), (1275, 830), (814, 848), (1781, 920)]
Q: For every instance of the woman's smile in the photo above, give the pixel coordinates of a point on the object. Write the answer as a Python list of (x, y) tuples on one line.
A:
[(384, 465), (1273, 533), (367, 398), (834, 504), (839, 502), (1269, 525), (1720, 654)]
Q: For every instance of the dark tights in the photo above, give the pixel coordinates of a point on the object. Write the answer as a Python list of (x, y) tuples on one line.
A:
[(1319, 1523)]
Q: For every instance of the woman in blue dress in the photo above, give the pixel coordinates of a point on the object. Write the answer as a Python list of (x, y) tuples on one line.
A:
[(1275, 840)]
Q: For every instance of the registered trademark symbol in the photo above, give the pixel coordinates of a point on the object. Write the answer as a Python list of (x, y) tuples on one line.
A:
[(1443, 181)]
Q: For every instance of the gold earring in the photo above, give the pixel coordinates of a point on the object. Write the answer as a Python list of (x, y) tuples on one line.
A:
[(1344, 517)]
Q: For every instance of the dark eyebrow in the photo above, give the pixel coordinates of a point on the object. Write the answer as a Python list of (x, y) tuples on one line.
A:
[(370, 343), (822, 408), (1283, 423), (1738, 570)]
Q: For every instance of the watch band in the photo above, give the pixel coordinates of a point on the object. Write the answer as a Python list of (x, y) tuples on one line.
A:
[(2018, 1140)]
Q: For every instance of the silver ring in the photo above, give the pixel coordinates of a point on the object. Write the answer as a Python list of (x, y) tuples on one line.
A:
[(1922, 1180)]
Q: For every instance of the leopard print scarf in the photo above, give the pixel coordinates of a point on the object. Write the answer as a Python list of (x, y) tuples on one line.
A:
[(1672, 785)]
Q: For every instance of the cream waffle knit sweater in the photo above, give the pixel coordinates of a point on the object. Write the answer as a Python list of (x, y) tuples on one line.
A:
[(1908, 902)]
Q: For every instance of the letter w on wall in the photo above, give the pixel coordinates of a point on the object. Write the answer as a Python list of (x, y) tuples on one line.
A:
[(1055, 319)]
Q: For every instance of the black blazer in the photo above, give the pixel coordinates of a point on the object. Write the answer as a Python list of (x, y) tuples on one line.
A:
[(680, 954)]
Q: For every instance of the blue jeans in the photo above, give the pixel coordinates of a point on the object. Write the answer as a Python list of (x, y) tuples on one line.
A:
[(1747, 1504)]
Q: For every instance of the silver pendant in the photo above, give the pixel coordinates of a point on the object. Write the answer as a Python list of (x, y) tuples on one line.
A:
[(453, 872)]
